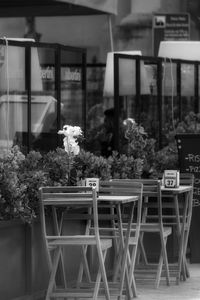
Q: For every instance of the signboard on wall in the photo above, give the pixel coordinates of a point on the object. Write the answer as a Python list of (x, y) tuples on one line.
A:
[(170, 27), (189, 158)]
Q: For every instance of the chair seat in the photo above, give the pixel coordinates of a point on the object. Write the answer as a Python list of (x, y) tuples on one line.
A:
[(150, 227), (78, 240), (132, 241)]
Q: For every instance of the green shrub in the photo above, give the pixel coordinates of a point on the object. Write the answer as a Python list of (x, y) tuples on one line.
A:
[(22, 175), (166, 159), (123, 166), (89, 165), (13, 200)]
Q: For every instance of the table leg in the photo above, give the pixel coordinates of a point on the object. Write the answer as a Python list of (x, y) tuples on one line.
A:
[(182, 264), (187, 229), (124, 247)]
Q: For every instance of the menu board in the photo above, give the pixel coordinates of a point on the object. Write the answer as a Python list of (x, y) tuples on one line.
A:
[(189, 160), (189, 157)]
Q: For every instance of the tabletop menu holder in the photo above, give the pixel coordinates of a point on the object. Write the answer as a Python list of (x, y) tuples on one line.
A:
[(171, 178)]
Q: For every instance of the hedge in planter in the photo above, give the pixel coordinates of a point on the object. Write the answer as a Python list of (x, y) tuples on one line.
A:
[(21, 176)]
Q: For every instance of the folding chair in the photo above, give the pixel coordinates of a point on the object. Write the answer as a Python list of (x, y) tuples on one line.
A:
[(176, 205), (129, 189), (57, 202), (151, 222)]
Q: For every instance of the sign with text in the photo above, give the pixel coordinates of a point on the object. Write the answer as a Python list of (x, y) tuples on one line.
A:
[(189, 157), (170, 27), (171, 178), (92, 182)]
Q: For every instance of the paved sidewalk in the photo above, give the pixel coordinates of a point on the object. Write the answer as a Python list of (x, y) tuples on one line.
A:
[(186, 290)]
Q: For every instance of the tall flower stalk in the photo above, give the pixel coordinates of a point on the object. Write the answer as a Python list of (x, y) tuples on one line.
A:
[(71, 133)]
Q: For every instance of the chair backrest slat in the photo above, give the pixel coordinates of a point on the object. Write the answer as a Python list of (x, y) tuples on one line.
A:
[(65, 189), (118, 187), (50, 197), (151, 192), (67, 195), (123, 187)]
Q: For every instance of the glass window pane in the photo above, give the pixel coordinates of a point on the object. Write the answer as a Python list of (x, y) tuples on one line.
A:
[(43, 101), (13, 99), (71, 88), (187, 89)]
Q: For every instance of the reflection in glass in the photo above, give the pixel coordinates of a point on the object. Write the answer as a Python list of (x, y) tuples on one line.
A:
[(13, 100), (71, 89), (43, 102)]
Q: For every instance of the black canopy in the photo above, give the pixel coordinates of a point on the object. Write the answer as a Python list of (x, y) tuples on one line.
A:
[(25, 8)]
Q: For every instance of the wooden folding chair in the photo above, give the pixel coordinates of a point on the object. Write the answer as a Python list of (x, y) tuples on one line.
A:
[(57, 202), (175, 218), (151, 222), (124, 188)]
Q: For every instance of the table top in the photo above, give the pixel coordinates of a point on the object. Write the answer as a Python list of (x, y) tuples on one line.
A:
[(88, 201), (178, 190)]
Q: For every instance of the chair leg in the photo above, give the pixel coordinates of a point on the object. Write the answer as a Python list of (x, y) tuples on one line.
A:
[(181, 261), (185, 260), (53, 272), (83, 267), (125, 243), (159, 270), (141, 251), (98, 280), (102, 257), (115, 238), (131, 270), (63, 269), (165, 258)]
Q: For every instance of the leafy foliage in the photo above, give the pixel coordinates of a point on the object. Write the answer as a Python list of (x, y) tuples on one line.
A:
[(89, 165), (21, 176), (166, 159), (123, 166), (140, 146), (190, 124), (13, 200)]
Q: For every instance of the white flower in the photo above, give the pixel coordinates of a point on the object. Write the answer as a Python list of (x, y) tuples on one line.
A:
[(72, 131), (129, 121), (70, 140)]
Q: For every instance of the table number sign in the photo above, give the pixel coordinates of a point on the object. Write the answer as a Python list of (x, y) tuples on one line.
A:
[(171, 178), (92, 182)]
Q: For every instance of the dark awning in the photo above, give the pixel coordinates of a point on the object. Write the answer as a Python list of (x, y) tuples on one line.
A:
[(25, 8)]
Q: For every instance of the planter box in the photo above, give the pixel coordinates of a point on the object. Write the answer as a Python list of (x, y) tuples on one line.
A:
[(12, 259), (24, 269)]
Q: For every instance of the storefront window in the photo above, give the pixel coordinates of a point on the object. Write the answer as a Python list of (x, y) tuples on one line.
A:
[(71, 88), (13, 96), (42, 87), (43, 99)]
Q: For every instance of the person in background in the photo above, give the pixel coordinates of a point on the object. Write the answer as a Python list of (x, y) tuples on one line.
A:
[(107, 133)]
